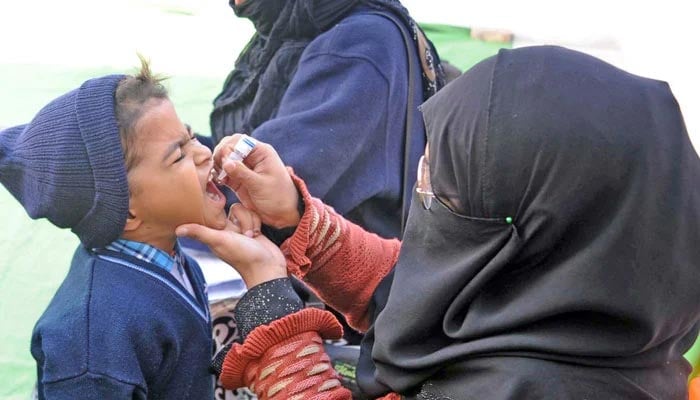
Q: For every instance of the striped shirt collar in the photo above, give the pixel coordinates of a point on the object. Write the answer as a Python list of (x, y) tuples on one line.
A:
[(147, 253)]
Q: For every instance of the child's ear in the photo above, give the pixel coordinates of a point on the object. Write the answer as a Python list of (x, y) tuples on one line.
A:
[(132, 222)]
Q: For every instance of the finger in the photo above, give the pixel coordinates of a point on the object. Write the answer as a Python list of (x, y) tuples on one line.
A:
[(257, 224), (246, 221), (239, 174), (211, 237), (221, 150), (225, 147), (233, 222), (260, 156), (226, 244)]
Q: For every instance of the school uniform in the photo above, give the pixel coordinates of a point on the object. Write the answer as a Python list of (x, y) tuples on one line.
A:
[(125, 325)]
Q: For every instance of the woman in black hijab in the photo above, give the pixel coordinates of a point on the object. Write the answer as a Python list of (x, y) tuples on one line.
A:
[(551, 251), (329, 83)]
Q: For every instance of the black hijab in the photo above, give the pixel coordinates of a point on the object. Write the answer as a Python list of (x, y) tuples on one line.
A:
[(568, 261), (283, 30)]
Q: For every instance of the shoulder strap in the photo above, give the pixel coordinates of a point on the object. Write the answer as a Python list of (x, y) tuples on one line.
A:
[(412, 67)]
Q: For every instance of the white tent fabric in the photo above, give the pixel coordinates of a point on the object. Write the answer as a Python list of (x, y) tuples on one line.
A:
[(655, 39)]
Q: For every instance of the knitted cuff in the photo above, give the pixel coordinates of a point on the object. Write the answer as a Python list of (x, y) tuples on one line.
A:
[(295, 247), (694, 389), (266, 338)]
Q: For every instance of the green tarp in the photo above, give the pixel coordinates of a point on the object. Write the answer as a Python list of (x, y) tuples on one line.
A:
[(457, 46)]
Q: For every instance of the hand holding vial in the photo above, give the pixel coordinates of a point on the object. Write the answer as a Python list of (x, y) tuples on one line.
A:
[(240, 151), (259, 178)]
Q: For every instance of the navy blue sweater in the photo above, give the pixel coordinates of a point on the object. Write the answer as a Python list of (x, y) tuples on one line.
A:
[(120, 328), (341, 123)]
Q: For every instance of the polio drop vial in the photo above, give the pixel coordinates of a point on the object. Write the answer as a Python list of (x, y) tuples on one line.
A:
[(240, 151)]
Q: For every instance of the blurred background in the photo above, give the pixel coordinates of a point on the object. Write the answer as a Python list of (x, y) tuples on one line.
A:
[(47, 48)]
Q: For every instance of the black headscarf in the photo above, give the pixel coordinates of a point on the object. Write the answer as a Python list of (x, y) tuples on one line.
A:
[(283, 30), (567, 265)]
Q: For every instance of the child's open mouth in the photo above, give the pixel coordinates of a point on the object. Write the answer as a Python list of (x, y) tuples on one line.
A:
[(214, 194)]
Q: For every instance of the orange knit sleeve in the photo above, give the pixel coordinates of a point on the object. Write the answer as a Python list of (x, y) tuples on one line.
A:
[(341, 261), (286, 360), (694, 389)]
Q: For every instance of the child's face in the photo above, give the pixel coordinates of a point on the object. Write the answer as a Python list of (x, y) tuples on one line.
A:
[(169, 184)]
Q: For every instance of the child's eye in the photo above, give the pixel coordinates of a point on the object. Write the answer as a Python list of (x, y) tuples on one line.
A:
[(182, 157)]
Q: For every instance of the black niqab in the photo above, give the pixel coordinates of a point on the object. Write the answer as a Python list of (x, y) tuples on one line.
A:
[(591, 291)]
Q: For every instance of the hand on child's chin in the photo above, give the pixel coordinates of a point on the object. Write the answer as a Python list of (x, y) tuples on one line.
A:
[(258, 259), (217, 223), (254, 256)]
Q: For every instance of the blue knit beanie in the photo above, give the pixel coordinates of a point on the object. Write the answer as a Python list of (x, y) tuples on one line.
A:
[(67, 164)]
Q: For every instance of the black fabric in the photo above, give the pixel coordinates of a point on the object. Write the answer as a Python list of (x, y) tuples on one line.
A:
[(260, 305), (591, 291), (262, 13), (217, 362), (366, 370), (265, 303), (283, 30), (281, 26)]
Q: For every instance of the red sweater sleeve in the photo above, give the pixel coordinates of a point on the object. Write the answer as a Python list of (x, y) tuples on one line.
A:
[(286, 360), (344, 264), (341, 261), (694, 389)]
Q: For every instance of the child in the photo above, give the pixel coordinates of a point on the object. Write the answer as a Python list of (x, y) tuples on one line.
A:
[(112, 161)]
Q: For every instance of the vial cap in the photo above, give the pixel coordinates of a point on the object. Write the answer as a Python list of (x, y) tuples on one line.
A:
[(244, 146)]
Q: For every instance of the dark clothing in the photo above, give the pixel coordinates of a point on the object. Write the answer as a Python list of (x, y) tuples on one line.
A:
[(121, 328), (341, 123), (253, 91), (333, 102), (591, 291), (559, 259), (265, 303)]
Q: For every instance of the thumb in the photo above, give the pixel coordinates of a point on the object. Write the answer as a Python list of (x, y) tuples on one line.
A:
[(229, 246), (208, 236), (239, 174)]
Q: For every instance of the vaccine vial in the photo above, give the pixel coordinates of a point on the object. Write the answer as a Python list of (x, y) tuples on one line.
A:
[(240, 151)]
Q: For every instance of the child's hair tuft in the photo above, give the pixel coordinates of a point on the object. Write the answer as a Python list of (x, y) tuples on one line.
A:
[(132, 97)]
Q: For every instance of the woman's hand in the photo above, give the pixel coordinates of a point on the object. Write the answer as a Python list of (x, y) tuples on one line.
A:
[(261, 182), (241, 245)]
